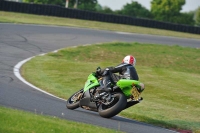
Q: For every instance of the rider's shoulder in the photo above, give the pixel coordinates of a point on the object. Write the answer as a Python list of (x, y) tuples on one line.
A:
[(123, 65)]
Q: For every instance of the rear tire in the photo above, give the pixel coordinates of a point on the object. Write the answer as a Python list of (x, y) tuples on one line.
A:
[(112, 110), (73, 101)]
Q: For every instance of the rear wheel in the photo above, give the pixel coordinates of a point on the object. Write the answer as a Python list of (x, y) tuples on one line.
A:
[(117, 105), (73, 101)]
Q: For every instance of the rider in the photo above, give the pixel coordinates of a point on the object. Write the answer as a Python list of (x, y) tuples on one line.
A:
[(126, 70)]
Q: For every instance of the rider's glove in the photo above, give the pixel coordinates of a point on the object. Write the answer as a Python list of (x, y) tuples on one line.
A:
[(98, 71)]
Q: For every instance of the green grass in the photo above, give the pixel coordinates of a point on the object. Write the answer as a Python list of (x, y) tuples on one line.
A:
[(10, 17), (15, 121), (171, 75)]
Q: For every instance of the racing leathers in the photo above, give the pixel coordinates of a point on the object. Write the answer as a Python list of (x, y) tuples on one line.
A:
[(125, 71)]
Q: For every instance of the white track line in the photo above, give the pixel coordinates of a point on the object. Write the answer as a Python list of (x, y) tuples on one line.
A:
[(124, 33), (16, 71)]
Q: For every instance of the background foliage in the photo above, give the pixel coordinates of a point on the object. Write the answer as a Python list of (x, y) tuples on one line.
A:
[(197, 17), (84, 4), (134, 9)]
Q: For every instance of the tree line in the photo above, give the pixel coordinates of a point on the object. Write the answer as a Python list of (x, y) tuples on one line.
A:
[(161, 10)]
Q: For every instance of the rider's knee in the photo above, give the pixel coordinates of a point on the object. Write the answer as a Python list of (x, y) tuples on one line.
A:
[(142, 87)]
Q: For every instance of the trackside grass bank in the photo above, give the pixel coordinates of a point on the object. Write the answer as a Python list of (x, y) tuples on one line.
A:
[(10, 17), (14, 121), (171, 75)]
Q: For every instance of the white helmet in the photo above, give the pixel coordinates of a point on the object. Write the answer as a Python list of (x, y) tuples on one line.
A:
[(129, 59)]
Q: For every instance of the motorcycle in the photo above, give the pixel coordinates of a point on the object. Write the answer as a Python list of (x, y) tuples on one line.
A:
[(124, 94)]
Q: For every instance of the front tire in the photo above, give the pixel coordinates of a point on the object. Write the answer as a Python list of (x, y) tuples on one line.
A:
[(116, 107), (73, 101)]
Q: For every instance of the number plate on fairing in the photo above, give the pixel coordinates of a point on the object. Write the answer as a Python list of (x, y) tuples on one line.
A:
[(135, 93)]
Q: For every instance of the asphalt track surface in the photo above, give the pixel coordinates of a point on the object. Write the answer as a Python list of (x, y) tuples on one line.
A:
[(19, 42)]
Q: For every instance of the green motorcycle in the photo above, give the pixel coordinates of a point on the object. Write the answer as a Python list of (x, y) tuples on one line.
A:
[(124, 94)]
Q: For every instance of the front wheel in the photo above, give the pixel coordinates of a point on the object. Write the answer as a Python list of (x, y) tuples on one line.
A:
[(117, 105), (73, 101)]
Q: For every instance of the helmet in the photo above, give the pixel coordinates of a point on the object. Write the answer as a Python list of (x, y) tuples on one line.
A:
[(129, 59)]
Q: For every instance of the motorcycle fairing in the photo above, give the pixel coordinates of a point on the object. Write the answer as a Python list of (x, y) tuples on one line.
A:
[(91, 82), (86, 101), (126, 86)]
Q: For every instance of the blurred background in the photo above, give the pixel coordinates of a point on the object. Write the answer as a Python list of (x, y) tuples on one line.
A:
[(185, 12)]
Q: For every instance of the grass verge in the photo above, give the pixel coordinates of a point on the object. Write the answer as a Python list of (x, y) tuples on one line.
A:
[(14, 121), (171, 75), (10, 17)]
